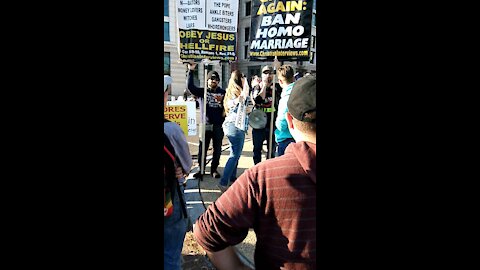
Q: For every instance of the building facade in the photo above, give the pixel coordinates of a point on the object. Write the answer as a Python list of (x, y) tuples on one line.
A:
[(174, 68)]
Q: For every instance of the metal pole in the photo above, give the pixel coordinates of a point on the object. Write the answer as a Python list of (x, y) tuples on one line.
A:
[(202, 168), (272, 119)]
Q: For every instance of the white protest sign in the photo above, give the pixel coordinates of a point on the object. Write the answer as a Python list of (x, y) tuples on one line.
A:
[(207, 29), (191, 115), (214, 15)]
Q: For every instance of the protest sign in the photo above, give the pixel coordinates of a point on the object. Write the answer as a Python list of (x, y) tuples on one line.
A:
[(207, 29), (177, 114), (191, 115), (281, 28)]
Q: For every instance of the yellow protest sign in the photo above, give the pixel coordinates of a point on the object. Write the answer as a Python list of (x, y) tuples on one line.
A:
[(177, 114)]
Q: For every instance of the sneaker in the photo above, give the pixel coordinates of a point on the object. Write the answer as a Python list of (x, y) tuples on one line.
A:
[(215, 174), (222, 188)]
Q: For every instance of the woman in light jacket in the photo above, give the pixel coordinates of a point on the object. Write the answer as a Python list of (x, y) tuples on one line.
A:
[(236, 92)]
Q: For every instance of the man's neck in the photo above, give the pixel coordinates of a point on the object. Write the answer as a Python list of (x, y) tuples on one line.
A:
[(305, 138)]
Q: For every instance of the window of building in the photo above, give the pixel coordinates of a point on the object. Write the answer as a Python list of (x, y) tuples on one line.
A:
[(248, 8), (165, 8), (247, 34), (313, 42), (314, 20), (312, 57), (246, 52), (166, 31), (166, 63)]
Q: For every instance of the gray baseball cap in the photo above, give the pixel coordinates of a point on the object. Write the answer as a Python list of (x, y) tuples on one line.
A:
[(167, 80)]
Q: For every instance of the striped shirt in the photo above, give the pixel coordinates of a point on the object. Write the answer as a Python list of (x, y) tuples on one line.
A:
[(277, 198)]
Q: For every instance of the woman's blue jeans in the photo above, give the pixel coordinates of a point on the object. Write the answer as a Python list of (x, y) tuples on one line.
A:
[(174, 230), (236, 138)]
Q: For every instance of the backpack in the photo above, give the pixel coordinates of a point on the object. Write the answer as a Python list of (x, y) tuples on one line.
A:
[(170, 181)]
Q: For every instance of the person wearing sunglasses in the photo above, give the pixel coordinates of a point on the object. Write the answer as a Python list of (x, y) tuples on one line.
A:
[(215, 116), (263, 97)]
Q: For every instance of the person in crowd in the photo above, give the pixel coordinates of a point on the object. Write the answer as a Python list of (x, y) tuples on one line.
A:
[(282, 134), (175, 226), (255, 81), (275, 197), (236, 93), (263, 97), (186, 94), (298, 75), (214, 114)]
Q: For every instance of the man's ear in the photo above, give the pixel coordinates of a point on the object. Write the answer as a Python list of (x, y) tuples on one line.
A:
[(289, 119)]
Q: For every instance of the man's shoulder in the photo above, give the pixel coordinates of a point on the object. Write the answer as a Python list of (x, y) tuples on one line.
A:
[(274, 163), (172, 129)]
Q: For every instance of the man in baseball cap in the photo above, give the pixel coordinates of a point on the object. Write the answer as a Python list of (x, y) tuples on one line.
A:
[(213, 75), (167, 88), (275, 196), (214, 117), (266, 69), (267, 74), (175, 226), (263, 95), (302, 104), (167, 81)]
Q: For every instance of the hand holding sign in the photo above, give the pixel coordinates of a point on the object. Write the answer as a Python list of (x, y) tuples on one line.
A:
[(246, 87), (256, 81), (241, 99), (276, 64)]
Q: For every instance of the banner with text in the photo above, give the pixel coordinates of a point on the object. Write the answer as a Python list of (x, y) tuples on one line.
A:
[(282, 29), (177, 114), (207, 29), (191, 115)]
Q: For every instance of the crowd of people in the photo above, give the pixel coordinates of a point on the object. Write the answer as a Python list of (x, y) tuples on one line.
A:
[(276, 195)]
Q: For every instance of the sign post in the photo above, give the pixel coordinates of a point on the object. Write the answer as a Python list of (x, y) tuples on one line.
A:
[(204, 117), (272, 113)]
